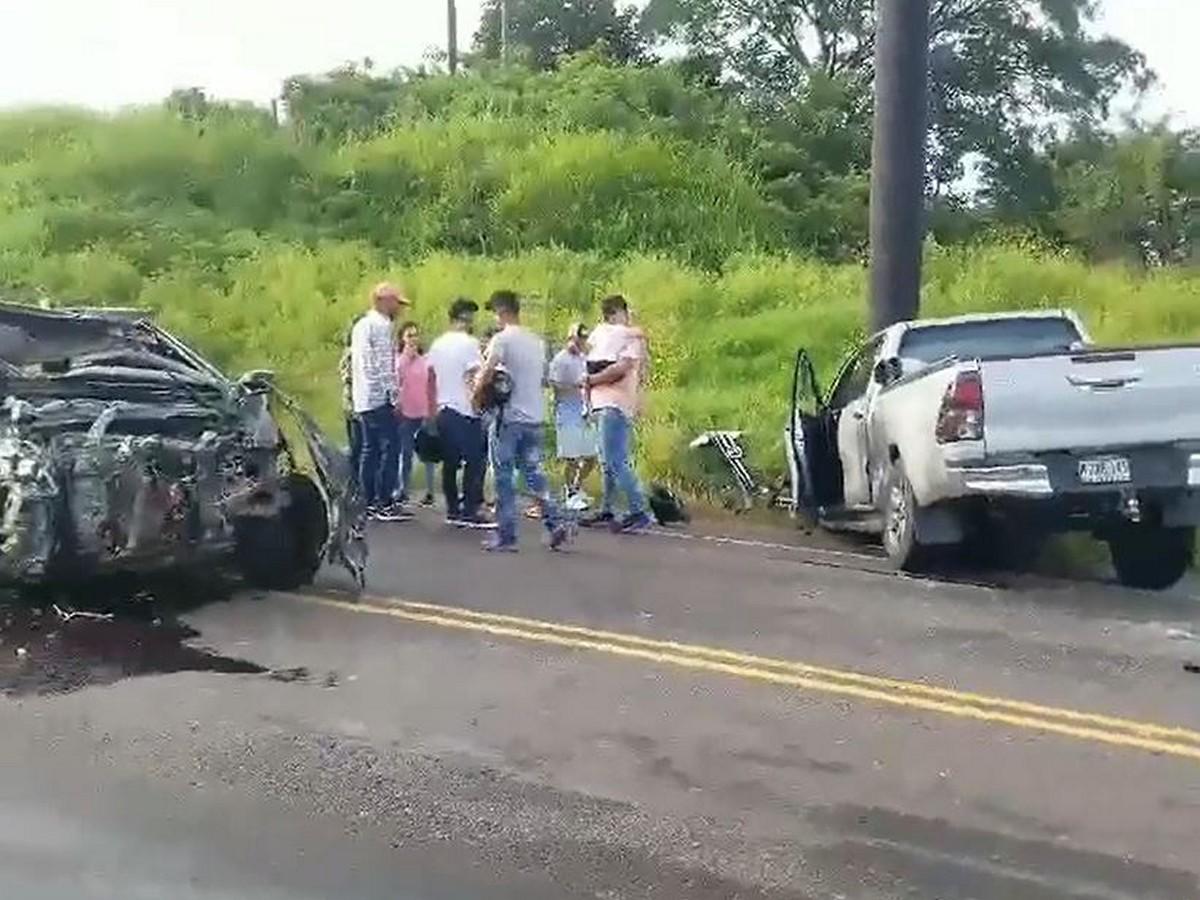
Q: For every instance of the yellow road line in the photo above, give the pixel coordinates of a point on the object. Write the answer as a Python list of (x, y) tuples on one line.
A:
[(1145, 729), (550, 633)]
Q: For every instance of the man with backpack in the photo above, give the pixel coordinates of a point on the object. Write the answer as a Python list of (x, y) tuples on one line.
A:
[(511, 382)]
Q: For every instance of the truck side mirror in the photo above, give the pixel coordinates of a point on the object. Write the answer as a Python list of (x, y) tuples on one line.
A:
[(886, 371)]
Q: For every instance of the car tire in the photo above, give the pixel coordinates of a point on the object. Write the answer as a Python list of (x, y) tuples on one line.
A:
[(283, 552), (1152, 557), (900, 521)]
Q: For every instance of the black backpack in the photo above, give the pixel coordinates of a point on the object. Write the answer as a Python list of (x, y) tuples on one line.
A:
[(667, 506), (428, 445)]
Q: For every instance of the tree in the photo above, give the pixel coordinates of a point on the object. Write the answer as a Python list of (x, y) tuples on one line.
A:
[(545, 31), (1131, 197), (191, 103), (350, 100), (1005, 74)]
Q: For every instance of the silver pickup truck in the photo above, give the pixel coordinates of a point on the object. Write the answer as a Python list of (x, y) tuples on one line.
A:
[(995, 429)]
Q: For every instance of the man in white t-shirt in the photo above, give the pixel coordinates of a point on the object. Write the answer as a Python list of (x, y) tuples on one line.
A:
[(454, 359)]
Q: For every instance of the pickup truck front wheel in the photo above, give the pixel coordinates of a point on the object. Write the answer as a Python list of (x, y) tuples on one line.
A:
[(1152, 557), (900, 521), (283, 552)]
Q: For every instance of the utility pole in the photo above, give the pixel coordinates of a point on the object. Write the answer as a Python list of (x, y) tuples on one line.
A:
[(504, 30), (898, 159), (452, 36)]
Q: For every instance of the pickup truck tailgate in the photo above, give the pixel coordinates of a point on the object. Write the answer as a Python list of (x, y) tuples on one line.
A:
[(1091, 400)]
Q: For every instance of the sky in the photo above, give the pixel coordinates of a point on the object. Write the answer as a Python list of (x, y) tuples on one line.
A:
[(111, 53)]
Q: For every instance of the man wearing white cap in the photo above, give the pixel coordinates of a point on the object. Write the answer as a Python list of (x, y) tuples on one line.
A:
[(575, 438)]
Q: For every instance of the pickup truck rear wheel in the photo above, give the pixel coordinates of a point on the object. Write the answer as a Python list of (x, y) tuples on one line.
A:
[(1152, 557), (900, 521)]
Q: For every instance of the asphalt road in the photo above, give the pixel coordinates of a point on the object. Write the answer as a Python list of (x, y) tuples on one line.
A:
[(660, 716)]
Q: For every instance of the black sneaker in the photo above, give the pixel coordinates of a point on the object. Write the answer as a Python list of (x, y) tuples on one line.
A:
[(597, 520), (633, 524), (476, 521), (427, 501), (393, 512), (495, 545)]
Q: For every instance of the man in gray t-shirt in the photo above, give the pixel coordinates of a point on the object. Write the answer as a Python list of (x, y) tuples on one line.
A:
[(516, 441), (523, 356)]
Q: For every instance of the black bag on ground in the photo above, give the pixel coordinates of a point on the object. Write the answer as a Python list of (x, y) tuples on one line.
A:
[(667, 506)]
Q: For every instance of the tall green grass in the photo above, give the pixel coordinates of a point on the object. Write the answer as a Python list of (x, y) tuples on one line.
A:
[(722, 342)]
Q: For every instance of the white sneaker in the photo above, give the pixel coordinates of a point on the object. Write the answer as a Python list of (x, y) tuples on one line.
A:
[(578, 502)]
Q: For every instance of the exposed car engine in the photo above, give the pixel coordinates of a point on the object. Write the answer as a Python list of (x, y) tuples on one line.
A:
[(122, 449)]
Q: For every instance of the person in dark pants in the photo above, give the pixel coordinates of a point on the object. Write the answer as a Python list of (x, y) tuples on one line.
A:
[(454, 359), (375, 395)]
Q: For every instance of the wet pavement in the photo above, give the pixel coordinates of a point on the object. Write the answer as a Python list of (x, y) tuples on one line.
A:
[(666, 716), (69, 640)]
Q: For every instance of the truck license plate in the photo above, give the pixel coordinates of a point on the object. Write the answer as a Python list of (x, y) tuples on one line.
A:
[(1111, 470)]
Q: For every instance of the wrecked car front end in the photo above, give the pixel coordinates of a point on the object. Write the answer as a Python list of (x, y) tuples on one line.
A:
[(122, 449)]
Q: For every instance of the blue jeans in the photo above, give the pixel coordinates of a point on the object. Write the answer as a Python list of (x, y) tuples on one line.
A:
[(518, 446), (407, 434), (616, 434), (380, 456)]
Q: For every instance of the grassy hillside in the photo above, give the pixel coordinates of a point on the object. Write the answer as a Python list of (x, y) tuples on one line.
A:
[(260, 245)]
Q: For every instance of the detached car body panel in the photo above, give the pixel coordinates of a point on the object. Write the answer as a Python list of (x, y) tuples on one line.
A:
[(123, 449)]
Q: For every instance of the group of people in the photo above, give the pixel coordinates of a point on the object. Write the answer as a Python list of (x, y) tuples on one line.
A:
[(471, 402)]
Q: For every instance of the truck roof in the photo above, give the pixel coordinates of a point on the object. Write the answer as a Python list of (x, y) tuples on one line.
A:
[(911, 324)]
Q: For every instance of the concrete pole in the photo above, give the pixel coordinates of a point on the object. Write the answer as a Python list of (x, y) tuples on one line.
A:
[(898, 159), (503, 31), (452, 36)]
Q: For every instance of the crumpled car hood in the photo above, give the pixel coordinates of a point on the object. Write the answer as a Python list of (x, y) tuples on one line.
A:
[(68, 375)]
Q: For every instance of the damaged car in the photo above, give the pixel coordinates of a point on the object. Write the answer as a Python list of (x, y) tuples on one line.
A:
[(124, 450)]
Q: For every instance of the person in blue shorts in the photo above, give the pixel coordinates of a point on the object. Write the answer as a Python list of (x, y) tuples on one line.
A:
[(575, 437)]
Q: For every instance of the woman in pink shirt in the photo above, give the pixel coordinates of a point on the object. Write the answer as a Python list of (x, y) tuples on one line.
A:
[(412, 375)]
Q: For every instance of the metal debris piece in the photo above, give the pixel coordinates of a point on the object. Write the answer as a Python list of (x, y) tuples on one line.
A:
[(68, 614)]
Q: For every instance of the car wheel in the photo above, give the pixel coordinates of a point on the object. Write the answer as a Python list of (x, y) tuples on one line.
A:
[(1152, 557), (900, 521), (284, 552)]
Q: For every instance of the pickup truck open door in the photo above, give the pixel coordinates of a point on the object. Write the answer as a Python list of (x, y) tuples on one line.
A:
[(815, 473)]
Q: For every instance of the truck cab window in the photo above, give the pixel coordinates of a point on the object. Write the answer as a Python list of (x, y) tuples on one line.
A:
[(855, 376)]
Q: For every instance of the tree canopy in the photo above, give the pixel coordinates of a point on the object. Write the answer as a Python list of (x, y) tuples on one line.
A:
[(541, 32), (1006, 75)]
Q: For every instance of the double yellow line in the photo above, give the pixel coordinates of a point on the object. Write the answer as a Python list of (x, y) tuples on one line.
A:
[(1168, 740)]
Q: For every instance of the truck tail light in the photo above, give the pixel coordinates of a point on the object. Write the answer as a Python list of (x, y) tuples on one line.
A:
[(961, 415)]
